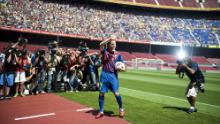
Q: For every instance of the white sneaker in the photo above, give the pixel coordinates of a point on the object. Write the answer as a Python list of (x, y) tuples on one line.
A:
[(42, 92)]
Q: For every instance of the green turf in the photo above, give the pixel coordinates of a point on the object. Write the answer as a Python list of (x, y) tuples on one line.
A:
[(157, 97)]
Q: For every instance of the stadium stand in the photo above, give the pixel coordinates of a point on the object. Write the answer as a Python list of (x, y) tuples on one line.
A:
[(183, 35), (168, 2), (167, 58), (205, 36), (211, 3), (146, 1), (214, 61), (170, 60), (175, 4), (200, 60), (127, 56), (89, 22), (191, 3), (206, 68), (94, 22), (144, 55)]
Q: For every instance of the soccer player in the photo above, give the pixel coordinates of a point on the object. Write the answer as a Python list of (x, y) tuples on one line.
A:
[(109, 77), (196, 83)]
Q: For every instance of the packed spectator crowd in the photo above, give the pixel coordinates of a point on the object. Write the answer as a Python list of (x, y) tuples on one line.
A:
[(47, 70), (98, 22)]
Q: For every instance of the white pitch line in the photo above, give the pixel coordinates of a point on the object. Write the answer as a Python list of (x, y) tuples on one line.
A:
[(34, 116), (84, 109), (137, 91)]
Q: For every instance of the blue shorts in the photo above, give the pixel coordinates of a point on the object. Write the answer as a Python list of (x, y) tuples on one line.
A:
[(1, 78), (9, 78), (109, 81)]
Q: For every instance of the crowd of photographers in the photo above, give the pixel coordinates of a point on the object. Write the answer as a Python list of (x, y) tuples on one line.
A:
[(51, 70)]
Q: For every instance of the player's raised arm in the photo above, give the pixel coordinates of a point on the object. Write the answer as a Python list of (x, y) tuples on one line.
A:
[(103, 44)]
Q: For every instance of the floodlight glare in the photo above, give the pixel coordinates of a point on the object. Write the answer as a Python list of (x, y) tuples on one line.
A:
[(181, 55)]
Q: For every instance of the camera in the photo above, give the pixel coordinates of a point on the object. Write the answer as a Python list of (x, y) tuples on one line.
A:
[(79, 67), (41, 52), (83, 48), (53, 51), (22, 41), (24, 52), (179, 62), (18, 53), (10, 50), (200, 86), (53, 44)]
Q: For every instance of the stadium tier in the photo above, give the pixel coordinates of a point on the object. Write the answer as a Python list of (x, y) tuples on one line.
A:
[(168, 2), (146, 1), (191, 3), (200, 59), (31, 48), (214, 61), (95, 22), (147, 60), (167, 58), (181, 4), (127, 56), (144, 55), (212, 3), (205, 68)]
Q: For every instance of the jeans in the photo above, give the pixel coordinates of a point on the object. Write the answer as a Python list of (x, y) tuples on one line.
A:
[(40, 80), (51, 79)]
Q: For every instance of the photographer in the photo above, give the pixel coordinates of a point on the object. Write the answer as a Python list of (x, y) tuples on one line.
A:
[(75, 68), (8, 68), (93, 62), (40, 65), (9, 65), (64, 74), (84, 59), (53, 61), (2, 60), (196, 83), (22, 61)]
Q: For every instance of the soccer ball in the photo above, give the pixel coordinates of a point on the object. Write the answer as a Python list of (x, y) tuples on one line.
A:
[(119, 66)]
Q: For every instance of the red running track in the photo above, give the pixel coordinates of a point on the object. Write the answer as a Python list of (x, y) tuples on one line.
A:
[(57, 109)]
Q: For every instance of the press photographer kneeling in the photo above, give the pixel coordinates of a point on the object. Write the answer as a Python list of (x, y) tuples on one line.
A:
[(197, 80)]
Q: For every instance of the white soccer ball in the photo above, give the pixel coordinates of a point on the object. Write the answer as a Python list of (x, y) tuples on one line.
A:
[(119, 66)]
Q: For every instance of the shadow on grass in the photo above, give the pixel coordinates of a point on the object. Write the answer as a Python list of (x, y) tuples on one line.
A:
[(106, 113), (177, 108)]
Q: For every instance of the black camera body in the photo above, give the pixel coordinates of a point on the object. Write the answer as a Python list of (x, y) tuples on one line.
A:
[(19, 53), (200, 86), (83, 48), (41, 53), (10, 50), (53, 44), (179, 62), (53, 51), (22, 41), (83, 51)]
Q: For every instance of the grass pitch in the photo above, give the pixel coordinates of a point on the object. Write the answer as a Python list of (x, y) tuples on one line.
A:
[(157, 97)]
